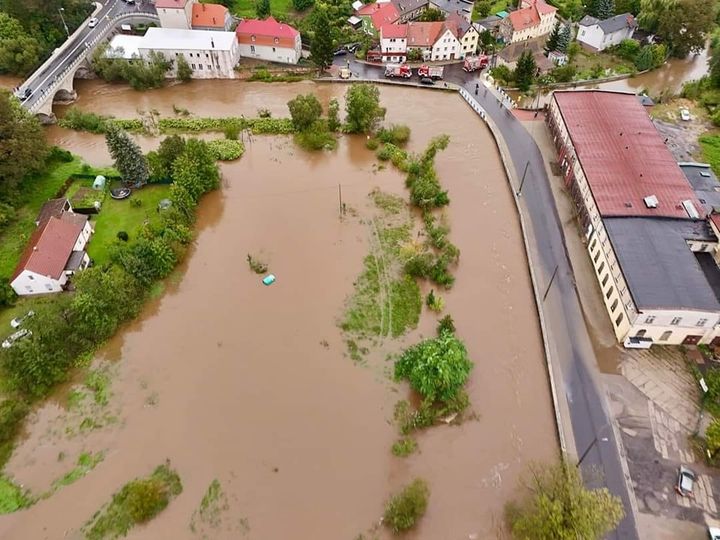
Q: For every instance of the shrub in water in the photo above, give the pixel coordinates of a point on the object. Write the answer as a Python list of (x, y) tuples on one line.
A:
[(408, 506)]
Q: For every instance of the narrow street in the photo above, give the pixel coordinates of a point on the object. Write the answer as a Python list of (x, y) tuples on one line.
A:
[(594, 437)]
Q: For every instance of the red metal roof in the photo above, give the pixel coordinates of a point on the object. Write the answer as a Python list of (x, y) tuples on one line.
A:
[(49, 248), (623, 156), (267, 27), (385, 14)]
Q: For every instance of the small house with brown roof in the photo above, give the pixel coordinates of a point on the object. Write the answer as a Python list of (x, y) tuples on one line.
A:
[(211, 17), (55, 251), (535, 18), (269, 40)]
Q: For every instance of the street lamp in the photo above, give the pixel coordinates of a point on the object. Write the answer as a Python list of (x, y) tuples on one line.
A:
[(60, 11), (593, 443)]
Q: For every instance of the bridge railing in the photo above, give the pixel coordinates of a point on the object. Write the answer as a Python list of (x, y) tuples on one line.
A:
[(49, 92)]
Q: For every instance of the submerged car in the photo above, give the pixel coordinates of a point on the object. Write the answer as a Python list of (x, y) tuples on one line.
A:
[(17, 321), (685, 482), (11, 339)]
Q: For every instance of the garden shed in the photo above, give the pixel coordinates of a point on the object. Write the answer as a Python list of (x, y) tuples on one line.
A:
[(99, 182)]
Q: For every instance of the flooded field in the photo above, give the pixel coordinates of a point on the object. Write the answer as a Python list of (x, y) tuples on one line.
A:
[(252, 386)]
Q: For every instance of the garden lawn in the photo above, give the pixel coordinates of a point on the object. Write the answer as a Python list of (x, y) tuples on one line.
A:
[(36, 191), (280, 9), (497, 6), (117, 216), (586, 60), (710, 145)]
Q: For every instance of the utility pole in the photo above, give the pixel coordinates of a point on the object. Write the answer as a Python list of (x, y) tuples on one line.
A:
[(342, 206), (60, 11), (585, 453), (552, 278), (519, 191)]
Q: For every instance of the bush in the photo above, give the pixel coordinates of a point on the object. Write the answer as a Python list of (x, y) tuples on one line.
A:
[(502, 74), (404, 447), (305, 111), (123, 236), (407, 507), (395, 134), (564, 73), (434, 302), (628, 49), (446, 324), (12, 414), (226, 149), (58, 154), (136, 203), (232, 132), (264, 113), (316, 137), (372, 144)]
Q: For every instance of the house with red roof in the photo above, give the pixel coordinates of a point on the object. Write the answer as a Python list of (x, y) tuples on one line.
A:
[(192, 15), (55, 251), (269, 40), (535, 18), (375, 15), (393, 42)]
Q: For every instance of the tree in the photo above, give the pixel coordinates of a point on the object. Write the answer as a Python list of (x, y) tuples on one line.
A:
[(482, 8), (321, 46), (302, 5), (333, 115), (196, 170), (650, 13), (712, 437), (436, 368), (553, 37), (262, 8), (601, 9), (684, 25), (305, 110), (129, 159), (563, 38), (628, 49), (525, 69), (161, 160), (184, 71), (19, 55), (362, 105), (22, 143), (627, 6), (432, 15), (404, 509), (487, 40), (560, 507)]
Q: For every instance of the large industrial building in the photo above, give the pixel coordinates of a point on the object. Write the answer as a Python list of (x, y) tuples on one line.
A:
[(649, 222)]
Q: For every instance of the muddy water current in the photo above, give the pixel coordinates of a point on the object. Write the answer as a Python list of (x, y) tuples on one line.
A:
[(251, 385)]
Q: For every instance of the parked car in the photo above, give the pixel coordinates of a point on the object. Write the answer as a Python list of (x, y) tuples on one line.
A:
[(684, 115), (17, 321), (342, 51), (92, 23), (345, 73), (427, 80), (26, 94), (12, 338), (685, 482)]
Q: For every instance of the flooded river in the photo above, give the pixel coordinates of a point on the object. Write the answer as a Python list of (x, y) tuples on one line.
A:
[(244, 387)]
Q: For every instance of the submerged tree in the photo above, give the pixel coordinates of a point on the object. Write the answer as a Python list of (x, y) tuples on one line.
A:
[(305, 110), (129, 159), (362, 104), (184, 71)]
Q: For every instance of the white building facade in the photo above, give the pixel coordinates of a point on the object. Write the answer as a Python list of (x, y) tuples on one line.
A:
[(599, 35), (447, 47), (175, 13)]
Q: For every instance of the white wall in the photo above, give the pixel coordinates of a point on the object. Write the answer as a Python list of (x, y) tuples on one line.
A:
[(270, 53), (208, 64), (673, 327), (469, 42), (594, 37), (547, 23), (29, 283), (175, 18), (393, 45), (447, 47)]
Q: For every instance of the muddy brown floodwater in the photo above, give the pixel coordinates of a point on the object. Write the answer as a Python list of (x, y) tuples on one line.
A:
[(298, 435)]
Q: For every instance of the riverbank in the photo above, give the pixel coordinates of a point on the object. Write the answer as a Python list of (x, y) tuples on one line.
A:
[(305, 415)]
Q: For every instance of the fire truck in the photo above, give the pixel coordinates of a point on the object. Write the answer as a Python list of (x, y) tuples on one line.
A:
[(473, 63), (398, 70), (432, 72)]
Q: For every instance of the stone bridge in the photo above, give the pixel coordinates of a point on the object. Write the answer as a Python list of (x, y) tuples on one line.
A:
[(53, 82)]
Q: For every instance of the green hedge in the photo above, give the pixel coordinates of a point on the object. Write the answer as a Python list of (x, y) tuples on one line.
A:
[(272, 126)]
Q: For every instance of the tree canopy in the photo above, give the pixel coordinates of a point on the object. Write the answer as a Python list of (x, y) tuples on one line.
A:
[(525, 71), (362, 105), (129, 159), (305, 110), (432, 14), (321, 45), (559, 507), (685, 24)]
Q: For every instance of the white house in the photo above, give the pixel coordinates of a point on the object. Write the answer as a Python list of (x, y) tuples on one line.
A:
[(535, 18), (393, 42), (175, 13), (269, 40), (599, 35), (55, 251), (210, 54), (467, 34), (447, 46)]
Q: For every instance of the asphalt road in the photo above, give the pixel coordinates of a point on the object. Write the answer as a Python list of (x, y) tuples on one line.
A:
[(590, 417), (43, 78)]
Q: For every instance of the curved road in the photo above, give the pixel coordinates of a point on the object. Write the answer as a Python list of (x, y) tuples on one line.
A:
[(591, 420), (40, 81)]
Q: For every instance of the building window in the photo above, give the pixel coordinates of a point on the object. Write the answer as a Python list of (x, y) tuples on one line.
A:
[(601, 267), (641, 333), (614, 305), (619, 320), (650, 319), (31, 278), (596, 257), (207, 55), (609, 293), (703, 247), (252, 48), (273, 49), (48, 286), (192, 65), (701, 322), (200, 66), (605, 280), (208, 66), (593, 244), (675, 321), (666, 335)]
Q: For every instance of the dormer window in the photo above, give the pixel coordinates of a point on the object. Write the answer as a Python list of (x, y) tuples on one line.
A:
[(252, 38), (276, 40)]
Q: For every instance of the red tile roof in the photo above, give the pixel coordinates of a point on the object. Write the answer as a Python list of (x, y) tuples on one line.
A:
[(180, 4), (715, 218), (267, 27), (385, 14), (423, 34), (388, 31), (529, 15), (623, 156), (49, 248), (209, 15)]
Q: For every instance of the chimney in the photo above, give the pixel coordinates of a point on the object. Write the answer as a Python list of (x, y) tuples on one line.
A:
[(212, 43), (213, 18), (203, 5)]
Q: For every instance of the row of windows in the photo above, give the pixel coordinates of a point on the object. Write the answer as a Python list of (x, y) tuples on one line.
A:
[(675, 321)]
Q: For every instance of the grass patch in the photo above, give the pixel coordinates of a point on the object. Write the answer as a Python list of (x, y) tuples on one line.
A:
[(98, 381), (710, 146), (12, 497), (212, 505), (404, 447), (280, 9), (86, 462), (226, 149), (117, 216), (137, 502)]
